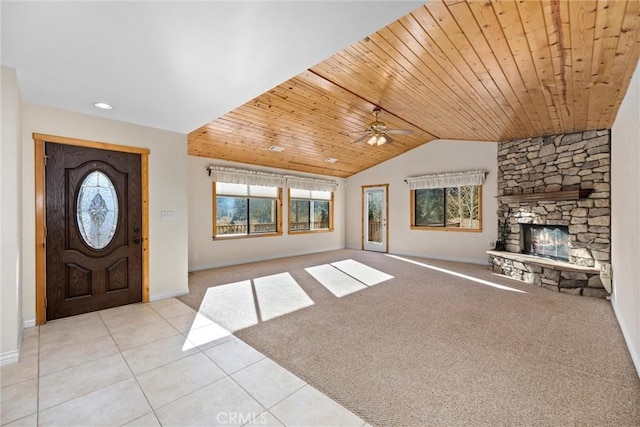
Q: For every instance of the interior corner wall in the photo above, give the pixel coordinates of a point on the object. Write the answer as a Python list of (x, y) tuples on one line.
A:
[(204, 252), (10, 218), (625, 217), (168, 274), (434, 157)]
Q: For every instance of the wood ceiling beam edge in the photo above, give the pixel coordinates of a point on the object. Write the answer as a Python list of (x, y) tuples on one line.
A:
[(312, 71), (408, 100), (582, 18), (552, 13), (430, 80)]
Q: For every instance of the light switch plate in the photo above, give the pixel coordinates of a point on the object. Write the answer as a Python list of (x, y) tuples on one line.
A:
[(168, 215)]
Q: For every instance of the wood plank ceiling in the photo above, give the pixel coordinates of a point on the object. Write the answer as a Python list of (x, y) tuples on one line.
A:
[(464, 70)]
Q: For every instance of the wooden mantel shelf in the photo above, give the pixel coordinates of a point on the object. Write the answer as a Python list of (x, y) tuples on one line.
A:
[(551, 196)]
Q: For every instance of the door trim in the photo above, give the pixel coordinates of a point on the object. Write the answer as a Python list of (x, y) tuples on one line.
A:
[(386, 206), (41, 268)]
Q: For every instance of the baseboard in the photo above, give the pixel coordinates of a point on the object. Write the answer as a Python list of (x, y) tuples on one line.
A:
[(258, 259), (484, 261), (635, 357), (443, 258), (29, 322), (169, 295), (12, 356)]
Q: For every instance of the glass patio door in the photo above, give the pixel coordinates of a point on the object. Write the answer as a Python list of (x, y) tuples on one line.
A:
[(374, 215)]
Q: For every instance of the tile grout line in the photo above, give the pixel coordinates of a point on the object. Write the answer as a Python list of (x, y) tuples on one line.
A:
[(267, 409), (84, 394), (153, 410), (135, 378), (229, 375), (182, 397)]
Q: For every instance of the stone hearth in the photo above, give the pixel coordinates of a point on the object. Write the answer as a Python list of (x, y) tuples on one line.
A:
[(555, 275), (557, 180)]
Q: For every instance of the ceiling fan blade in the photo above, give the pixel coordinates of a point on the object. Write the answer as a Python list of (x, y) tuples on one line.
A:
[(400, 131), (389, 139), (362, 138)]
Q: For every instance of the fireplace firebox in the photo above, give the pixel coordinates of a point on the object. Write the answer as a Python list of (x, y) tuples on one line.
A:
[(549, 241)]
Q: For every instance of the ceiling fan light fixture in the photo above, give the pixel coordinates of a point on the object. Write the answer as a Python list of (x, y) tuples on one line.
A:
[(377, 132)]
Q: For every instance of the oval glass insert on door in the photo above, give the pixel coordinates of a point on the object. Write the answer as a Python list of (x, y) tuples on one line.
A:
[(97, 210)]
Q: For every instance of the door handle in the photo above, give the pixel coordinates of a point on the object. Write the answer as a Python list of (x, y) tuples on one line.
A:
[(137, 240)]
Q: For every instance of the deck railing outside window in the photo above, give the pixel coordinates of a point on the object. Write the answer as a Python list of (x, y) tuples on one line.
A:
[(316, 225), (375, 231)]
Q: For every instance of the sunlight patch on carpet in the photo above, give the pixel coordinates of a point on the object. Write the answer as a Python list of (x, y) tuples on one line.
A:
[(361, 272), (231, 306), (336, 281), (462, 276), (278, 295)]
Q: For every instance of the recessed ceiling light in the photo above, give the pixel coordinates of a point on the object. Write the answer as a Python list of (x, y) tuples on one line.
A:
[(102, 105), (276, 148), (330, 160)]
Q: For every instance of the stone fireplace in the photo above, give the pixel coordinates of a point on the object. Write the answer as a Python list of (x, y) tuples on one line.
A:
[(554, 211)]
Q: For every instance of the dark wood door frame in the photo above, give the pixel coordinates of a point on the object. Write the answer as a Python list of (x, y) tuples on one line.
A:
[(40, 189)]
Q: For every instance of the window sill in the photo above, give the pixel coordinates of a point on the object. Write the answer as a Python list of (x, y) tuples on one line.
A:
[(309, 231), (245, 236), (463, 230)]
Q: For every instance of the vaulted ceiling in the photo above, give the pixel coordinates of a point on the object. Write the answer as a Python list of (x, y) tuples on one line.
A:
[(464, 70)]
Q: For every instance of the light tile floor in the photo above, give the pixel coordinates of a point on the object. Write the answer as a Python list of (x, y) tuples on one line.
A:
[(154, 364)]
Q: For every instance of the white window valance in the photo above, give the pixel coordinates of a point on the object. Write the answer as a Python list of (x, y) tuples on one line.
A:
[(311, 184), (254, 177), (245, 176), (447, 179)]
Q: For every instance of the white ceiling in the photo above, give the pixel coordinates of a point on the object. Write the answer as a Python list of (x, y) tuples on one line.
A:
[(175, 65)]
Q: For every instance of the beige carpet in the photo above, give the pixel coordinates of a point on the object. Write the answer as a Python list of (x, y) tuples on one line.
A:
[(427, 347)]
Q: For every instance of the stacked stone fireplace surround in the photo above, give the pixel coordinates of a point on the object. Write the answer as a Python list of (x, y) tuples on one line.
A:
[(552, 165)]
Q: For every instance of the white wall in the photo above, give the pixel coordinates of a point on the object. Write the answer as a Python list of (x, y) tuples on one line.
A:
[(434, 157), (10, 218), (625, 217), (167, 191), (204, 252)]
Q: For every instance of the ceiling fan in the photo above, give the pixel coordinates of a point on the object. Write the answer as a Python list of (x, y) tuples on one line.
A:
[(378, 132)]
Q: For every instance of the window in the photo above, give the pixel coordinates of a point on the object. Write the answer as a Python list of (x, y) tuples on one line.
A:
[(246, 210), (310, 210), (454, 208)]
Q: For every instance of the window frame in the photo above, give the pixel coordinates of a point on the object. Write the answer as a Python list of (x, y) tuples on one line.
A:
[(278, 231), (322, 230), (412, 209)]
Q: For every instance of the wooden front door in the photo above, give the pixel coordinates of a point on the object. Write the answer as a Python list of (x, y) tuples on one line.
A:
[(93, 229)]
